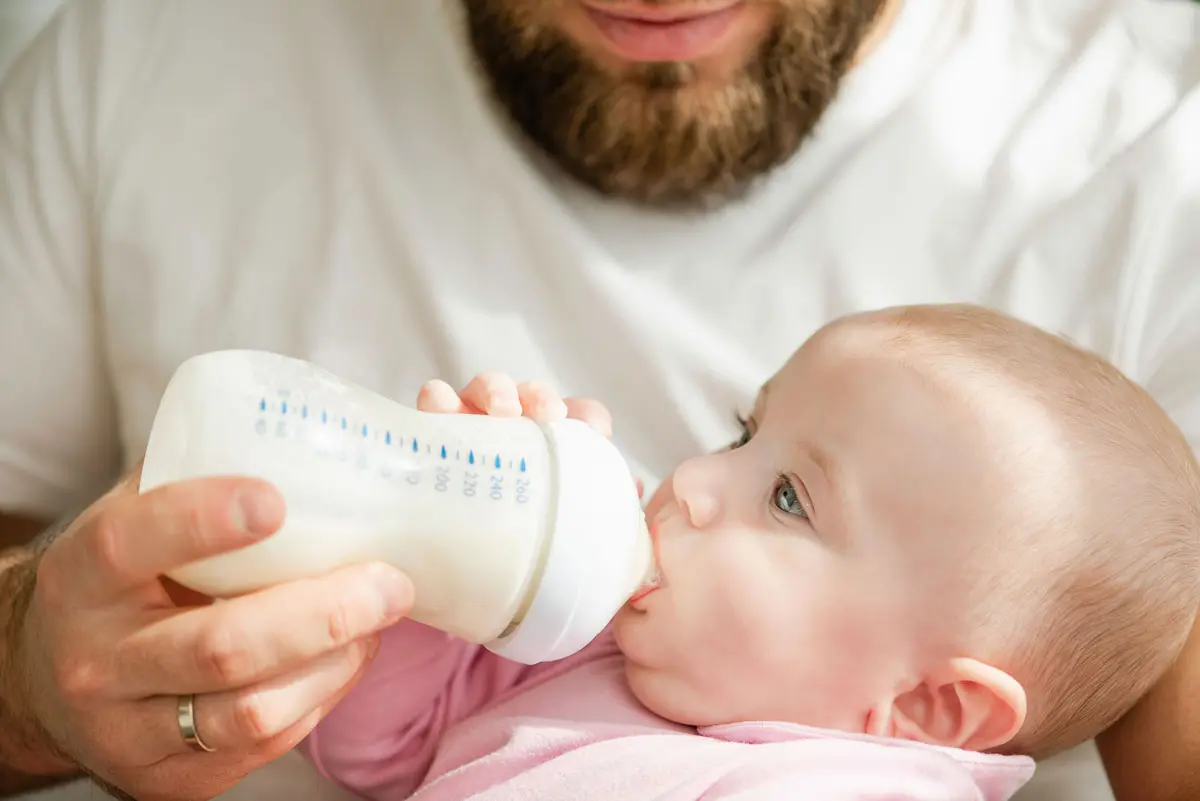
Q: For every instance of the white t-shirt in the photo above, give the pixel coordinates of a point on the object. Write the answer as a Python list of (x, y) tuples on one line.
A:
[(328, 179)]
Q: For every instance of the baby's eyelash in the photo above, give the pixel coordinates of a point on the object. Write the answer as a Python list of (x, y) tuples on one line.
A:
[(784, 491), (744, 425)]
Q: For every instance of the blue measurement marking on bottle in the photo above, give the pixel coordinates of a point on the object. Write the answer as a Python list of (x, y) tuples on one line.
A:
[(387, 438), (471, 457), (522, 465), (262, 405), (283, 407), (443, 451), (497, 461), (324, 416), (364, 430), (415, 446), (304, 413), (343, 423)]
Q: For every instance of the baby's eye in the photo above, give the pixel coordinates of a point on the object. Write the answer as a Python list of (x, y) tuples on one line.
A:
[(786, 498), (746, 434)]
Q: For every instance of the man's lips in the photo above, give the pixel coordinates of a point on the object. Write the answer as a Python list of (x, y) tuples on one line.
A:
[(679, 32), (672, 12)]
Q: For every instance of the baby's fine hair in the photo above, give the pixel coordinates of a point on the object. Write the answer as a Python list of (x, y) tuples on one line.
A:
[(1102, 594)]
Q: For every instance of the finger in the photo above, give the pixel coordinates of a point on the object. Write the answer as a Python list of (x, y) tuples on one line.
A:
[(592, 412), (129, 483), (129, 540), (245, 719), (540, 402), (494, 394), (257, 637), (288, 739), (641, 487), (438, 397)]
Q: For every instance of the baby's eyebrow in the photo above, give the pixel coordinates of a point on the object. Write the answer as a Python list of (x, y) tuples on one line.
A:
[(823, 460)]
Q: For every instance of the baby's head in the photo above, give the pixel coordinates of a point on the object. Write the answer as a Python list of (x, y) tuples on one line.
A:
[(942, 525)]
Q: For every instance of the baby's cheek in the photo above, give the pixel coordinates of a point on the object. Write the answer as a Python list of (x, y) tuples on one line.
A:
[(735, 609)]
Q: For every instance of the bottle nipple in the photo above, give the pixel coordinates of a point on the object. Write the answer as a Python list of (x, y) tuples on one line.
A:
[(648, 576)]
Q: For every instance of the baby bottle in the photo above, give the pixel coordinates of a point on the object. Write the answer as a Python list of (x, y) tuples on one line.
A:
[(521, 536)]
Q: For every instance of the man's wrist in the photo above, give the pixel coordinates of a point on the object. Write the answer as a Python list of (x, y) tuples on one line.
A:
[(28, 755)]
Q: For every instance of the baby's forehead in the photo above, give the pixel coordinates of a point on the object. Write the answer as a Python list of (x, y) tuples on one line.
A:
[(893, 408), (858, 364), (951, 364)]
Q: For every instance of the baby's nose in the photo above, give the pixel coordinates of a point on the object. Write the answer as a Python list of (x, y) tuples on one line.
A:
[(693, 485), (701, 511)]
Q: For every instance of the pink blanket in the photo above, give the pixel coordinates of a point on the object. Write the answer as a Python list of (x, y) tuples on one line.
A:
[(439, 720)]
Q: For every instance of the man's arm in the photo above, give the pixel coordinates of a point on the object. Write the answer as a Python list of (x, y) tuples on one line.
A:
[(27, 759)]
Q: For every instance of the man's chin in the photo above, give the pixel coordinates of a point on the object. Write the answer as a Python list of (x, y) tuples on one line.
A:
[(673, 134)]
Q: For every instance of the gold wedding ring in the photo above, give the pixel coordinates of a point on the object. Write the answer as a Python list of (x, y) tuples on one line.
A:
[(186, 714)]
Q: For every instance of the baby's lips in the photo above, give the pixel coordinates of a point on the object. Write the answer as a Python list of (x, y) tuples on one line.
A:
[(654, 583), (640, 594)]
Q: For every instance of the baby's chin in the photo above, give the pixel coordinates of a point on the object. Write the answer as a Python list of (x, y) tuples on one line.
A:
[(649, 675), (651, 692), (668, 697)]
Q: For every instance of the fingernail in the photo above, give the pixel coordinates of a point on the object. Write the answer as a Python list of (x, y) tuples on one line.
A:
[(372, 648), (258, 512), (395, 590), (443, 395), (500, 403)]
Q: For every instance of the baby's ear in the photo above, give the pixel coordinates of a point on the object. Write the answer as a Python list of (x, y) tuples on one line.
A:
[(966, 705)]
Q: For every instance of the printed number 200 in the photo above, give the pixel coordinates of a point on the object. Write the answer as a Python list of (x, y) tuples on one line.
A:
[(441, 481)]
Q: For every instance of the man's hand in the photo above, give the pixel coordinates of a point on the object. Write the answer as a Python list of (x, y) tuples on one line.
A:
[(105, 647)]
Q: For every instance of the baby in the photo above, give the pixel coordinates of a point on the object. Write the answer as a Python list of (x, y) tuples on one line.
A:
[(946, 543)]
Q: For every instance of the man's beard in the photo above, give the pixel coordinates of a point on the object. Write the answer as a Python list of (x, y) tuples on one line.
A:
[(654, 134)]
